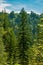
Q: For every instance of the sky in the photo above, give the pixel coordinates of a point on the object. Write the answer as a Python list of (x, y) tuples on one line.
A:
[(16, 5)]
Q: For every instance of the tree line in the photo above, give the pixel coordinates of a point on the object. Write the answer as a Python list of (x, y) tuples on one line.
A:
[(21, 38)]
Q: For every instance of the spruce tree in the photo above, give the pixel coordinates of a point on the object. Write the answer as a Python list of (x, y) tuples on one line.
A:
[(10, 46), (9, 40), (3, 54), (6, 21), (24, 38)]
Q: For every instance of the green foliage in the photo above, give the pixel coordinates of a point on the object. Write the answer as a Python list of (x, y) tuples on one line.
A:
[(24, 38), (21, 38), (3, 54), (6, 22), (12, 15), (10, 46)]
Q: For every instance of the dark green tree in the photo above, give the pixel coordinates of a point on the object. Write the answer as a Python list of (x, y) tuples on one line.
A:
[(3, 54), (9, 40), (12, 15), (24, 38), (6, 21)]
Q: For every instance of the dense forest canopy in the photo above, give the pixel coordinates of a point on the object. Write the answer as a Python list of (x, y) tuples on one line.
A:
[(21, 38)]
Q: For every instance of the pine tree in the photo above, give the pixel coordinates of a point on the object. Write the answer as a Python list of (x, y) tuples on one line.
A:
[(24, 38), (40, 41), (6, 21), (3, 54), (9, 40)]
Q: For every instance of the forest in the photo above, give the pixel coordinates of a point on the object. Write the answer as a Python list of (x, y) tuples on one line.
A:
[(21, 38)]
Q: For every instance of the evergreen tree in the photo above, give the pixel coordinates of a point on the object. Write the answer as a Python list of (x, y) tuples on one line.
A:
[(12, 15), (9, 40), (10, 46), (40, 41), (6, 21), (24, 38), (3, 54)]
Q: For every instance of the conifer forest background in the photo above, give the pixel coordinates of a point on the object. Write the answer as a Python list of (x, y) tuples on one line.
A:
[(21, 38)]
